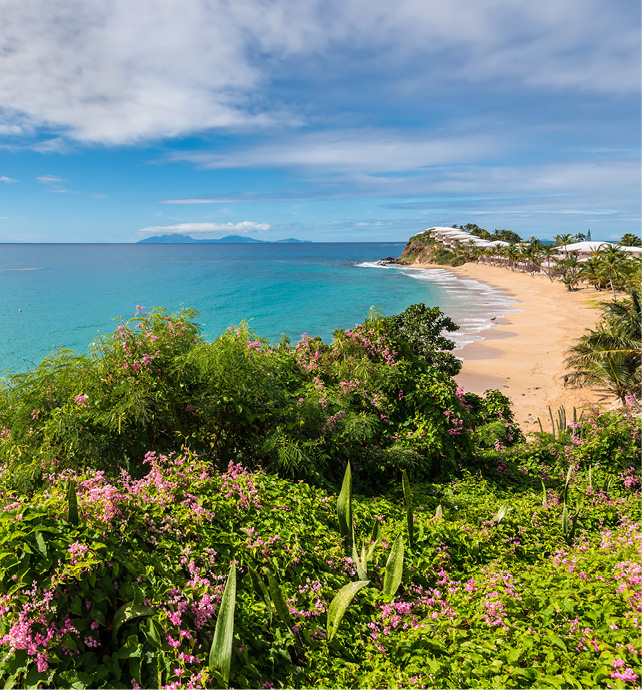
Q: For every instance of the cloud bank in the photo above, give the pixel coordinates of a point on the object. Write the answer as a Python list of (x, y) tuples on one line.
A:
[(123, 72)]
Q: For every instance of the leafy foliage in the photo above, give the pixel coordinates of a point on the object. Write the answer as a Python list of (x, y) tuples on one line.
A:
[(203, 562), (609, 357)]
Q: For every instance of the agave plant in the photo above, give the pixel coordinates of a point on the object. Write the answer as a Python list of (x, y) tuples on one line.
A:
[(220, 658)]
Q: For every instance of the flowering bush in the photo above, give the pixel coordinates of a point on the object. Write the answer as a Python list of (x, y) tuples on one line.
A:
[(487, 600), (135, 480), (379, 395)]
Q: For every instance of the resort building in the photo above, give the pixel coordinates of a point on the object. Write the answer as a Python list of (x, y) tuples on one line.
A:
[(585, 250)]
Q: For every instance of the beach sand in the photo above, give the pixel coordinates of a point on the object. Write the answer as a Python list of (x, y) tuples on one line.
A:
[(524, 355)]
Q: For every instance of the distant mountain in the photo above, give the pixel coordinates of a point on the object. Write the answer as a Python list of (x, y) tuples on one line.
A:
[(229, 239)]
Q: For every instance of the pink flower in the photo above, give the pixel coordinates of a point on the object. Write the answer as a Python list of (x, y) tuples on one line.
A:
[(627, 675), (81, 400), (77, 550)]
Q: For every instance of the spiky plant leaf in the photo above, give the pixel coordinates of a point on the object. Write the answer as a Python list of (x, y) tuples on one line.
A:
[(72, 499), (408, 499), (344, 504), (128, 612), (339, 604), (394, 569), (550, 412), (375, 539), (567, 483), (261, 589), (502, 512), (565, 519), (277, 599), (221, 651), (359, 563)]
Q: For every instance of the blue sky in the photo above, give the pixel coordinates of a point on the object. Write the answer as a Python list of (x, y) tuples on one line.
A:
[(329, 120)]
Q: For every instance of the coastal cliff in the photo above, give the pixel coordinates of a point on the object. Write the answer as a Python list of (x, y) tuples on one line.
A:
[(420, 248), (425, 249)]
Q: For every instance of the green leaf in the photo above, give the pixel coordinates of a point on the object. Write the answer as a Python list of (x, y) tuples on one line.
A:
[(565, 519), (567, 483), (408, 499), (543, 493), (40, 544), (439, 512), (502, 512), (344, 504), (128, 612), (359, 562), (339, 604), (375, 539), (261, 589), (221, 651), (72, 515), (277, 599), (394, 569), (557, 641)]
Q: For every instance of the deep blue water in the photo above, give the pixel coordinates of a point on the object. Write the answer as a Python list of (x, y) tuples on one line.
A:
[(54, 295)]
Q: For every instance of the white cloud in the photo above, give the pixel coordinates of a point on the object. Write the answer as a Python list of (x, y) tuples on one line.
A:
[(50, 179), (123, 71), (355, 150), (7, 180), (197, 228)]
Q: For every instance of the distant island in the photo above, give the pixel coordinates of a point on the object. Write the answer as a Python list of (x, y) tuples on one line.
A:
[(228, 239)]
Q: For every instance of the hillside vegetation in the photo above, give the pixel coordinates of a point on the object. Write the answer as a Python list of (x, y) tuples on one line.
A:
[(179, 513)]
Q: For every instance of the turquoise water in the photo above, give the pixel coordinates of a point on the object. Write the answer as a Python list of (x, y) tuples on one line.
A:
[(61, 295)]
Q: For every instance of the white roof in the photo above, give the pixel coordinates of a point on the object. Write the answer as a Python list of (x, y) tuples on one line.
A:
[(582, 247), (594, 247), (498, 243)]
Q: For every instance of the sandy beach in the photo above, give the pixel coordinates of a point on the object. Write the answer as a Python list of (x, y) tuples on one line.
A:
[(523, 356)]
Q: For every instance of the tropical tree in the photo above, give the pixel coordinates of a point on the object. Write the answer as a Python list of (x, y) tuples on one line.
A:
[(568, 270), (513, 255), (631, 240), (547, 252), (591, 272), (609, 357), (612, 261), (563, 240)]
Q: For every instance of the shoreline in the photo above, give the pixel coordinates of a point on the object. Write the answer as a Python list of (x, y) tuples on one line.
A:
[(523, 355)]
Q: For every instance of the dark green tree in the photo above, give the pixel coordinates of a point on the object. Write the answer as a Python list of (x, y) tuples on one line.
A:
[(609, 356)]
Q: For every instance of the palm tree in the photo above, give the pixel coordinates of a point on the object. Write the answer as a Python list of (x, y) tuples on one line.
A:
[(512, 253), (630, 240), (547, 252), (568, 270), (591, 271), (609, 357), (612, 260), (563, 240)]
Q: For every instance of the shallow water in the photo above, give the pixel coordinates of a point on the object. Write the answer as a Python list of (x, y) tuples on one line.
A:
[(61, 295)]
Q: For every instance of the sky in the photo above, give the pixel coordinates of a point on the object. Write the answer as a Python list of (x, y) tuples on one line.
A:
[(325, 120)]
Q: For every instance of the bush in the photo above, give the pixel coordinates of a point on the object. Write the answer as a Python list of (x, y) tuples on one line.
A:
[(128, 594), (379, 395)]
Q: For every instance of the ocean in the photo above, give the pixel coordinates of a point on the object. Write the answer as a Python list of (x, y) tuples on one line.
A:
[(63, 295)]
